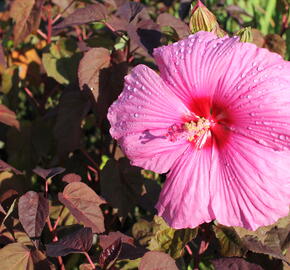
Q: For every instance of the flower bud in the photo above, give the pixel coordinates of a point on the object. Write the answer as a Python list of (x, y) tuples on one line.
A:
[(245, 34), (203, 20)]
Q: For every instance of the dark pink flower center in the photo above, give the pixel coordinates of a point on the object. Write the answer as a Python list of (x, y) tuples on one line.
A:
[(208, 122)]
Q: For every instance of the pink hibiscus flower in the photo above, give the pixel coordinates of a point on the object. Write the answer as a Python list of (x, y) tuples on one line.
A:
[(218, 120)]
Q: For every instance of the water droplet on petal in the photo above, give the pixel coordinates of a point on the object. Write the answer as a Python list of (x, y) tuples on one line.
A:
[(282, 137), (136, 115)]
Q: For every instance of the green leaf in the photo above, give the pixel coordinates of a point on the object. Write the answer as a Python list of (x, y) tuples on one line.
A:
[(168, 239), (62, 55), (230, 242)]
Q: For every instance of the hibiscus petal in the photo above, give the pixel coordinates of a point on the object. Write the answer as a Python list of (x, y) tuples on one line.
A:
[(251, 82), (184, 201), (140, 119), (249, 184)]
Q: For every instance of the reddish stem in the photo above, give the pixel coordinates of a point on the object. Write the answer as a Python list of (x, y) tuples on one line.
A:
[(29, 93), (90, 260), (58, 218), (46, 189), (188, 249), (86, 154), (43, 35), (49, 24), (55, 238)]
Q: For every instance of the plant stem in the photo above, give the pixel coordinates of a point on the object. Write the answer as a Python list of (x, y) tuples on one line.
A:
[(90, 260), (58, 218)]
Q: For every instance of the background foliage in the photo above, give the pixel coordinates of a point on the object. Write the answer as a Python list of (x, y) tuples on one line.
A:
[(69, 199)]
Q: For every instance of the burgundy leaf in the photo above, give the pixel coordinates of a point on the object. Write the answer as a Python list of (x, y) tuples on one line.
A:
[(234, 264), (129, 11), (110, 254), (107, 240), (6, 167), (71, 177), (27, 15), (181, 28), (122, 185), (84, 203), (73, 106), (8, 117), (77, 242), (158, 261), (145, 34), (90, 13), (33, 211), (89, 69), (48, 173)]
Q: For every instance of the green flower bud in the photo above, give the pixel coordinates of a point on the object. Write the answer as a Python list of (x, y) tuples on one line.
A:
[(203, 20), (245, 34)]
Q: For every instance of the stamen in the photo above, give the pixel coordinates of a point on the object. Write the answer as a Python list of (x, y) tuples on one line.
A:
[(196, 131)]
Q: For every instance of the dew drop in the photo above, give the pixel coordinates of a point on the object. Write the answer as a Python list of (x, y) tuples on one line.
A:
[(282, 137), (252, 114), (136, 115), (260, 68), (130, 96)]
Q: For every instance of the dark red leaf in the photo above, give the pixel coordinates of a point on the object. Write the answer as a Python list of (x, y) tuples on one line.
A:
[(77, 242), (110, 254), (122, 185), (129, 11), (111, 83), (84, 203), (26, 15), (145, 34), (90, 13), (71, 177), (33, 211), (73, 106), (8, 117), (6, 167), (107, 240), (181, 28), (48, 173), (234, 264), (89, 69), (158, 261)]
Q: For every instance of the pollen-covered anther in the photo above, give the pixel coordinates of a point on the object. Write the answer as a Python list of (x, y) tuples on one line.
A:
[(197, 128)]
